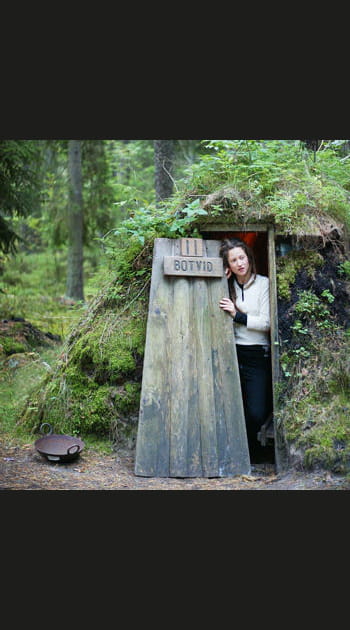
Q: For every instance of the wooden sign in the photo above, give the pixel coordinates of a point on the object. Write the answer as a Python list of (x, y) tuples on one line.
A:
[(191, 246), (196, 266)]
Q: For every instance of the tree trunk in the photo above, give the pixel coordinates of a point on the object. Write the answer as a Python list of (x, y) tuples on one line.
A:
[(163, 164), (75, 285)]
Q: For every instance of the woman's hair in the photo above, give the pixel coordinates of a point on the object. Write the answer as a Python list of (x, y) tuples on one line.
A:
[(230, 243)]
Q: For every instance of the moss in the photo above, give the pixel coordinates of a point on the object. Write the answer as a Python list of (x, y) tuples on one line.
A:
[(78, 407), (288, 266), (112, 348), (315, 405), (96, 385), (12, 346), (329, 444)]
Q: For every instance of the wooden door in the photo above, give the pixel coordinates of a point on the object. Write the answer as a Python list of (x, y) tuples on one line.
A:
[(191, 420)]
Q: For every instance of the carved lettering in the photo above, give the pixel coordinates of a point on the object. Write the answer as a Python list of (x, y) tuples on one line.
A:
[(186, 266)]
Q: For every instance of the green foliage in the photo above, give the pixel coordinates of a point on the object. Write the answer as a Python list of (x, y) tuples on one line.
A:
[(312, 319), (98, 189), (19, 186), (149, 223), (11, 346), (316, 408), (110, 350), (289, 265), (33, 288), (344, 269), (94, 385), (15, 385), (310, 306), (275, 179)]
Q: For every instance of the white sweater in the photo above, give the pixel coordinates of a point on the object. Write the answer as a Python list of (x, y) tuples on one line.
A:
[(255, 303)]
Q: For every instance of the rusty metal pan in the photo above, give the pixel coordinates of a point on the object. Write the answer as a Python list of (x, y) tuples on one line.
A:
[(58, 448)]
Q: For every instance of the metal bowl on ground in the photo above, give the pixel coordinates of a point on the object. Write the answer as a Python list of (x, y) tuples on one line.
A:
[(58, 448)]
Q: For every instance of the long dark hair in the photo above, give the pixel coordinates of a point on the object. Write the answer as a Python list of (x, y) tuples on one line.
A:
[(230, 243)]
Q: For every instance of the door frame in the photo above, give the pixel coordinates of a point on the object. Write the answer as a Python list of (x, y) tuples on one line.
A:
[(279, 442)]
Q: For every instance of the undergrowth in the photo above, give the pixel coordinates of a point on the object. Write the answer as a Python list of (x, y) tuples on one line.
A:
[(314, 389), (95, 387), (316, 406), (33, 286)]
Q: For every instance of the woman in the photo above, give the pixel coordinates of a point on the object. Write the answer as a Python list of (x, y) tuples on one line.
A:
[(249, 307)]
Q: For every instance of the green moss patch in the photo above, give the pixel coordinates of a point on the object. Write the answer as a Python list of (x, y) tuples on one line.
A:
[(95, 387), (12, 346), (289, 265), (315, 405)]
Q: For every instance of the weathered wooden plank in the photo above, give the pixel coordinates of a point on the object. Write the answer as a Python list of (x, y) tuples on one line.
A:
[(179, 368), (153, 439), (206, 401), (194, 463), (280, 443), (229, 227), (233, 453), (273, 307)]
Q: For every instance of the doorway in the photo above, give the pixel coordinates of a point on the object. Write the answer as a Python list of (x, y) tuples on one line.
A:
[(261, 240)]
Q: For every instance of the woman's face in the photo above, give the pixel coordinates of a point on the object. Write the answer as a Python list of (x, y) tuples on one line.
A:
[(239, 263)]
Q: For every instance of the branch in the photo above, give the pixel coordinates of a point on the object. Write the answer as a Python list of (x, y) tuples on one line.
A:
[(167, 172)]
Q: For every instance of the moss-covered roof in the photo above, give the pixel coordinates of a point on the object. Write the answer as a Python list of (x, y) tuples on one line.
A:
[(227, 205)]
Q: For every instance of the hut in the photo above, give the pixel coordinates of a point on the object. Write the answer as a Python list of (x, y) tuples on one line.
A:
[(305, 261), (97, 384)]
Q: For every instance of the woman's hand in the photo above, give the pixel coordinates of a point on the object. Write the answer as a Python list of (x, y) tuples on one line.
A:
[(228, 273), (227, 305)]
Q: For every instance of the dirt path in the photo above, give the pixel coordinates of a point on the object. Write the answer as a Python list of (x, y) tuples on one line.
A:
[(23, 468)]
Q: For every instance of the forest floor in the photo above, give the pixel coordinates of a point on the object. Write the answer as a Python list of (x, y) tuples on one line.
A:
[(23, 468)]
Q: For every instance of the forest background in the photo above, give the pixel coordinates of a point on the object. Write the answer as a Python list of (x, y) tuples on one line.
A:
[(69, 209)]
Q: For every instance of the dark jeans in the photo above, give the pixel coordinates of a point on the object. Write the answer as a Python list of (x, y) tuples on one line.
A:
[(256, 384)]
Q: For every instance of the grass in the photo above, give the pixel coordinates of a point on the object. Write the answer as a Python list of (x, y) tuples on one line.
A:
[(15, 384), (33, 287)]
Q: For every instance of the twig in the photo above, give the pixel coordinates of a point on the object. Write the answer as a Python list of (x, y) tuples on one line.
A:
[(172, 179)]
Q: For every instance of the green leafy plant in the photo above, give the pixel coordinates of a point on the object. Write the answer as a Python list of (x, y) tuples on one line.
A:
[(344, 269)]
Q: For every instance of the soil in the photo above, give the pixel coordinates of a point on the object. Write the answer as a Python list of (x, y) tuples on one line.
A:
[(23, 468)]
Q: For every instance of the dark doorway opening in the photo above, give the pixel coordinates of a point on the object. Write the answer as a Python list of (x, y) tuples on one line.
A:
[(256, 240), (263, 450)]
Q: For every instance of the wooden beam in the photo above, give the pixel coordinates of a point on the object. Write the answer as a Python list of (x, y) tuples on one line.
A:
[(280, 447), (218, 227)]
